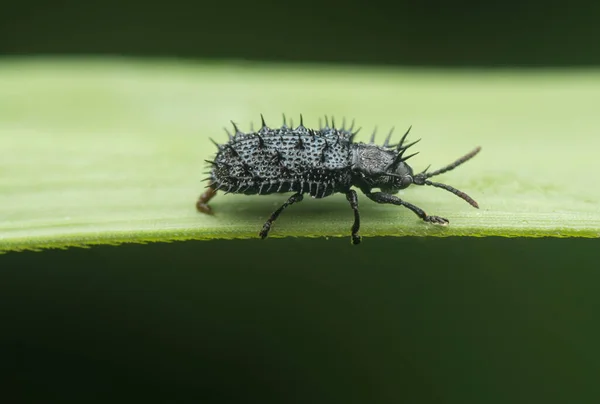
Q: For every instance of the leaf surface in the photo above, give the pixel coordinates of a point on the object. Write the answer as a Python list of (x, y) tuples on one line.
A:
[(111, 151)]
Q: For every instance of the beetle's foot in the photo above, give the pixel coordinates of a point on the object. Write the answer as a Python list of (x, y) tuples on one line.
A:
[(202, 203), (437, 220), (203, 208), (356, 239)]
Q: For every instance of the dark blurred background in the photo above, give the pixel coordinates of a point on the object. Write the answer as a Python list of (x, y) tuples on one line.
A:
[(454, 320), (457, 33), (457, 320)]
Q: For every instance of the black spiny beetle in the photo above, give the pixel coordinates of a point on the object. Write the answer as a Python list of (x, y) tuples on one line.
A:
[(319, 162)]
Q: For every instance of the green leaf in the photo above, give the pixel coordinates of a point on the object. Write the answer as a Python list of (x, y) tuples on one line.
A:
[(111, 151)]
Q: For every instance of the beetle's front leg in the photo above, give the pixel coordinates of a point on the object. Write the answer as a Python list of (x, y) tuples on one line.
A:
[(381, 197)]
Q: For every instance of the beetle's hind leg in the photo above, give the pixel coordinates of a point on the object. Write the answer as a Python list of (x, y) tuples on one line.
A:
[(202, 203), (267, 226)]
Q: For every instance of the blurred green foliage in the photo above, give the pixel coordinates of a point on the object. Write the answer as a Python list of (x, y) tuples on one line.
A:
[(454, 320), (433, 33)]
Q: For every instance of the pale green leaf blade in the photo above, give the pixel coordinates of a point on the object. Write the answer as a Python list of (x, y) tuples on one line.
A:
[(113, 151)]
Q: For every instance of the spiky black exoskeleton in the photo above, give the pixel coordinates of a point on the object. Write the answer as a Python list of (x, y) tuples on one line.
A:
[(319, 162)]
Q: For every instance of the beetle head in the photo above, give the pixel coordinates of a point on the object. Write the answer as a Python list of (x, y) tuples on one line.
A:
[(395, 178), (385, 167), (387, 170)]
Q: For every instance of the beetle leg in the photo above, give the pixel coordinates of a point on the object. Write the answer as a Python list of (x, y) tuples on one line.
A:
[(381, 197), (267, 226), (353, 199), (202, 203)]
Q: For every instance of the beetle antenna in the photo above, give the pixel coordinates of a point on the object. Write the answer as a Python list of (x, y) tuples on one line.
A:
[(424, 174), (455, 191), (422, 178)]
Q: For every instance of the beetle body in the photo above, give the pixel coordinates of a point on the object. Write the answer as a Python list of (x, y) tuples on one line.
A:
[(318, 162)]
